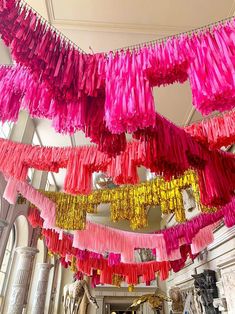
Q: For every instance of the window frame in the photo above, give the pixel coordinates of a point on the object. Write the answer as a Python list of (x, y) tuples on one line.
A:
[(9, 263)]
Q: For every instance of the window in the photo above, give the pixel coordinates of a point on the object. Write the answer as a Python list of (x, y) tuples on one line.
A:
[(6, 264), (50, 181), (5, 129)]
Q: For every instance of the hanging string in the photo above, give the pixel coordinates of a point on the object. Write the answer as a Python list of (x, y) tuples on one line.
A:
[(131, 47), (43, 20), (164, 39)]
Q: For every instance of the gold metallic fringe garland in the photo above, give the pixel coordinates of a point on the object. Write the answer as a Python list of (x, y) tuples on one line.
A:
[(73, 267), (117, 280), (128, 202)]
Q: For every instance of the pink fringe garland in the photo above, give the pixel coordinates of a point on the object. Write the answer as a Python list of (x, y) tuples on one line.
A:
[(126, 242), (187, 231), (127, 77), (118, 241)]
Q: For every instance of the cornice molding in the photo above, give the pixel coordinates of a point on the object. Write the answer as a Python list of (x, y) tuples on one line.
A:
[(224, 237), (95, 26), (99, 26)]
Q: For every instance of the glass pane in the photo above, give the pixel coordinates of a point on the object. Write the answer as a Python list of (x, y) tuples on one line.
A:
[(30, 174), (50, 178), (36, 140), (5, 261), (10, 241), (2, 278)]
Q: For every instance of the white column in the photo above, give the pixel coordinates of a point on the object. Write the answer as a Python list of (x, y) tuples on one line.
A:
[(24, 262), (41, 291)]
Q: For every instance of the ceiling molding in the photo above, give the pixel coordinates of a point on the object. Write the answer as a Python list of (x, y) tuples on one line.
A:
[(231, 11), (99, 26), (157, 30)]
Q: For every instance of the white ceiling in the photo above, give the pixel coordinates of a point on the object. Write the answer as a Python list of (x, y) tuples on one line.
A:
[(109, 24)]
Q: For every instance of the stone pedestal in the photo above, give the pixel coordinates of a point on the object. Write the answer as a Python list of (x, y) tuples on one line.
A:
[(41, 290), (24, 262), (100, 302)]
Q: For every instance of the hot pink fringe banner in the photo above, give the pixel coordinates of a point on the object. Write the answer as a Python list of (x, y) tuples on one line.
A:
[(126, 78), (34, 97)]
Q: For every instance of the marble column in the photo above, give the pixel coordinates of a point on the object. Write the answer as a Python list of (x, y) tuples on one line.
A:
[(41, 290), (24, 263)]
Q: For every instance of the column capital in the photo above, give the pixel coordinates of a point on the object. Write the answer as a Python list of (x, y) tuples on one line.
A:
[(26, 250), (45, 265)]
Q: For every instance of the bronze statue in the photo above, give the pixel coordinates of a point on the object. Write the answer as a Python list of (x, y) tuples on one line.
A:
[(73, 294), (155, 300)]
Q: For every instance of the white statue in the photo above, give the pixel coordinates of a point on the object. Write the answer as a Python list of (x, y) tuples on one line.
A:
[(73, 294)]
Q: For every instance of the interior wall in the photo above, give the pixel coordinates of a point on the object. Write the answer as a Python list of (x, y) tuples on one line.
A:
[(223, 248)]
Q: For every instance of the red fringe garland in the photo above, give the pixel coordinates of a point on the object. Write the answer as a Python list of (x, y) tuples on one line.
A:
[(214, 132), (164, 149)]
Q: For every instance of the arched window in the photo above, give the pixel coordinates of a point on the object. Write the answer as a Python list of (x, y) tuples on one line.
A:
[(6, 263)]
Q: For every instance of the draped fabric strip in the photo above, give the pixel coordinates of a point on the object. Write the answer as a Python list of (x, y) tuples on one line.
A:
[(125, 78)]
